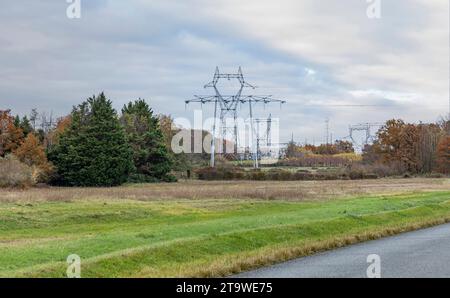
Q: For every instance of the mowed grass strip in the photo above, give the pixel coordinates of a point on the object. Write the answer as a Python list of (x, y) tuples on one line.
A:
[(125, 238)]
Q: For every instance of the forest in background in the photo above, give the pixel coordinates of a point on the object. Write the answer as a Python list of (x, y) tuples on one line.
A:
[(96, 146)]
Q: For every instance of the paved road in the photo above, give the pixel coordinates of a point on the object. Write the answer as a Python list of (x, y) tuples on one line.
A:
[(423, 253)]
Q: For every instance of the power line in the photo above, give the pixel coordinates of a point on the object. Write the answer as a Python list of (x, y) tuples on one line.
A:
[(227, 106)]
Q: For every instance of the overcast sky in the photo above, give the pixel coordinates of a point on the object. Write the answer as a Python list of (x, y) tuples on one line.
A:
[(326, 58)]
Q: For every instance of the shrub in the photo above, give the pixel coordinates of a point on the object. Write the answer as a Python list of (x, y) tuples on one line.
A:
[(205, 173), (235, 173), (32, 153), (355, 171), (278, 174), (434, 175), (43, 173), (141, 178), (317, 160), (14, 173), (228, 173), (377, 170), (370, 176), (257, 175)]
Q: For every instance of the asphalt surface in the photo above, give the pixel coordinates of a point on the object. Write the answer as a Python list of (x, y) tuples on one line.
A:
[(424, 253)]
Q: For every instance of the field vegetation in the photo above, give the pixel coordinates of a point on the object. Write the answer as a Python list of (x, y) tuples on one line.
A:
[(103, 207), (204, 229)]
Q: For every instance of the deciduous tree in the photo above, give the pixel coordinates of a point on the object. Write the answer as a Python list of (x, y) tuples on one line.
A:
[(11, 136), (443, 155), (32, 153)]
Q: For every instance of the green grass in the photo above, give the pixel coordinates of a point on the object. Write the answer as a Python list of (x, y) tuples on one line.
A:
[(122, 238)]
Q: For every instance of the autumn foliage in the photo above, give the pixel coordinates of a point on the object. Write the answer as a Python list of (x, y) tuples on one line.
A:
[(28, 153), (417, 148), (443, 155), (10, 135), (32, 153), (94, 146), (339, 147), (54, 135)]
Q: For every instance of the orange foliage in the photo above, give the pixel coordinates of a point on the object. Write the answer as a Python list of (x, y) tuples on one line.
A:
[(339, 147), (390, 141), (413, 146), (10, 135), (32, 153), (443, 155), (54, 135)]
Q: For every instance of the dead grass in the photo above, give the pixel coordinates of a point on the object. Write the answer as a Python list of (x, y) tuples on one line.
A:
[(269, 190)]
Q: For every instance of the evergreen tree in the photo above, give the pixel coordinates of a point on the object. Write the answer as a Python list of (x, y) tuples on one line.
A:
[(26, 125), (150, 155), (93, 150), (23, 124), (17, 121)]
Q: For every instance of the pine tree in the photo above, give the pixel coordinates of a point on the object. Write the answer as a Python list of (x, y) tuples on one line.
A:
[(150, 155), (93, 151), (26, 125), (17, 121), (23, 124)]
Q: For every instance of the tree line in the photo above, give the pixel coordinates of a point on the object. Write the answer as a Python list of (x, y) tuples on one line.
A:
[(399, 148), (96, 146), (93, 146), (413, 148), (338, 147)]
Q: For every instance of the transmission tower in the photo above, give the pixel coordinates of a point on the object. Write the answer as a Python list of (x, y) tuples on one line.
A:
[(365, 127), (327, 131), (227, 106), (265, 137)]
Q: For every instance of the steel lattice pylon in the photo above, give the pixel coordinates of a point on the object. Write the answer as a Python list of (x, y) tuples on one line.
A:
[(263, 138), (367, 128), (228, 108)]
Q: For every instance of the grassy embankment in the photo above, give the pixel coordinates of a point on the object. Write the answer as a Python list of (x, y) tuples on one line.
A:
[(201, 237)]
